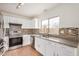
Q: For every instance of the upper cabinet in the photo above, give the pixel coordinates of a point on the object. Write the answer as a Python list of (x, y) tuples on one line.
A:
[(1, 27), (1, 22), (6, 21), (11, 19), (15, 20), (26, 23)]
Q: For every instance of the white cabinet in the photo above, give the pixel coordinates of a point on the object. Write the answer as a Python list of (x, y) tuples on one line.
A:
[(40, 45), (67, 51), (6, 44), (15, 20), (26, 40), (50, 48), (6, 21), (11, 19), (61, 49), (28, 24), (37, 45), (44, 47)]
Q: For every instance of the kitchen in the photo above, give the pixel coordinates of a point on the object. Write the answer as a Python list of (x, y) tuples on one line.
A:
[(39, 29)]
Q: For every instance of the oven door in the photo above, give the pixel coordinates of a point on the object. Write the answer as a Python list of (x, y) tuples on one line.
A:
[(15, 41)]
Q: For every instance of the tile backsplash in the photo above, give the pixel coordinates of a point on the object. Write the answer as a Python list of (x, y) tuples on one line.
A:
[(62, 31), (30, 31), (68, 31), (27, 31)]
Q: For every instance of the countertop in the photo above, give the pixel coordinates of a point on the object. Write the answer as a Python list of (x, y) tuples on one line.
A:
[(66, 40), (58, 40)]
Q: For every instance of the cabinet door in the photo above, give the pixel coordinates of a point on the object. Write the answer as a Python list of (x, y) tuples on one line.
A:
[(63, 50), (58, 50), (48, 48), (15, 20), (67, 51), (26, 40), (28, 24), (43, 44), (37, 44), (6, 45), (40, 45), (52, 49), (6, 21)]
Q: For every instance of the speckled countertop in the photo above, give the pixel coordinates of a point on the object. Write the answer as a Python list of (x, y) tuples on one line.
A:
[(61, 40), (66, 40)]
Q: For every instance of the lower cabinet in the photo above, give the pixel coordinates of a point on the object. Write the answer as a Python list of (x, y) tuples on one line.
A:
[(37, 45), (43, 46), (6, 43), (50, 48), (40, 46), (26, 40), (66, 51)]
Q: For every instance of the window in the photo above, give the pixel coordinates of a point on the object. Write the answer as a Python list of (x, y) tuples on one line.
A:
[(54, 25), (49, 26), (45, 26)]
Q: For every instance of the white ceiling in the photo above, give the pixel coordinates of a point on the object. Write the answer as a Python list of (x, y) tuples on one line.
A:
[(28, 9)]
